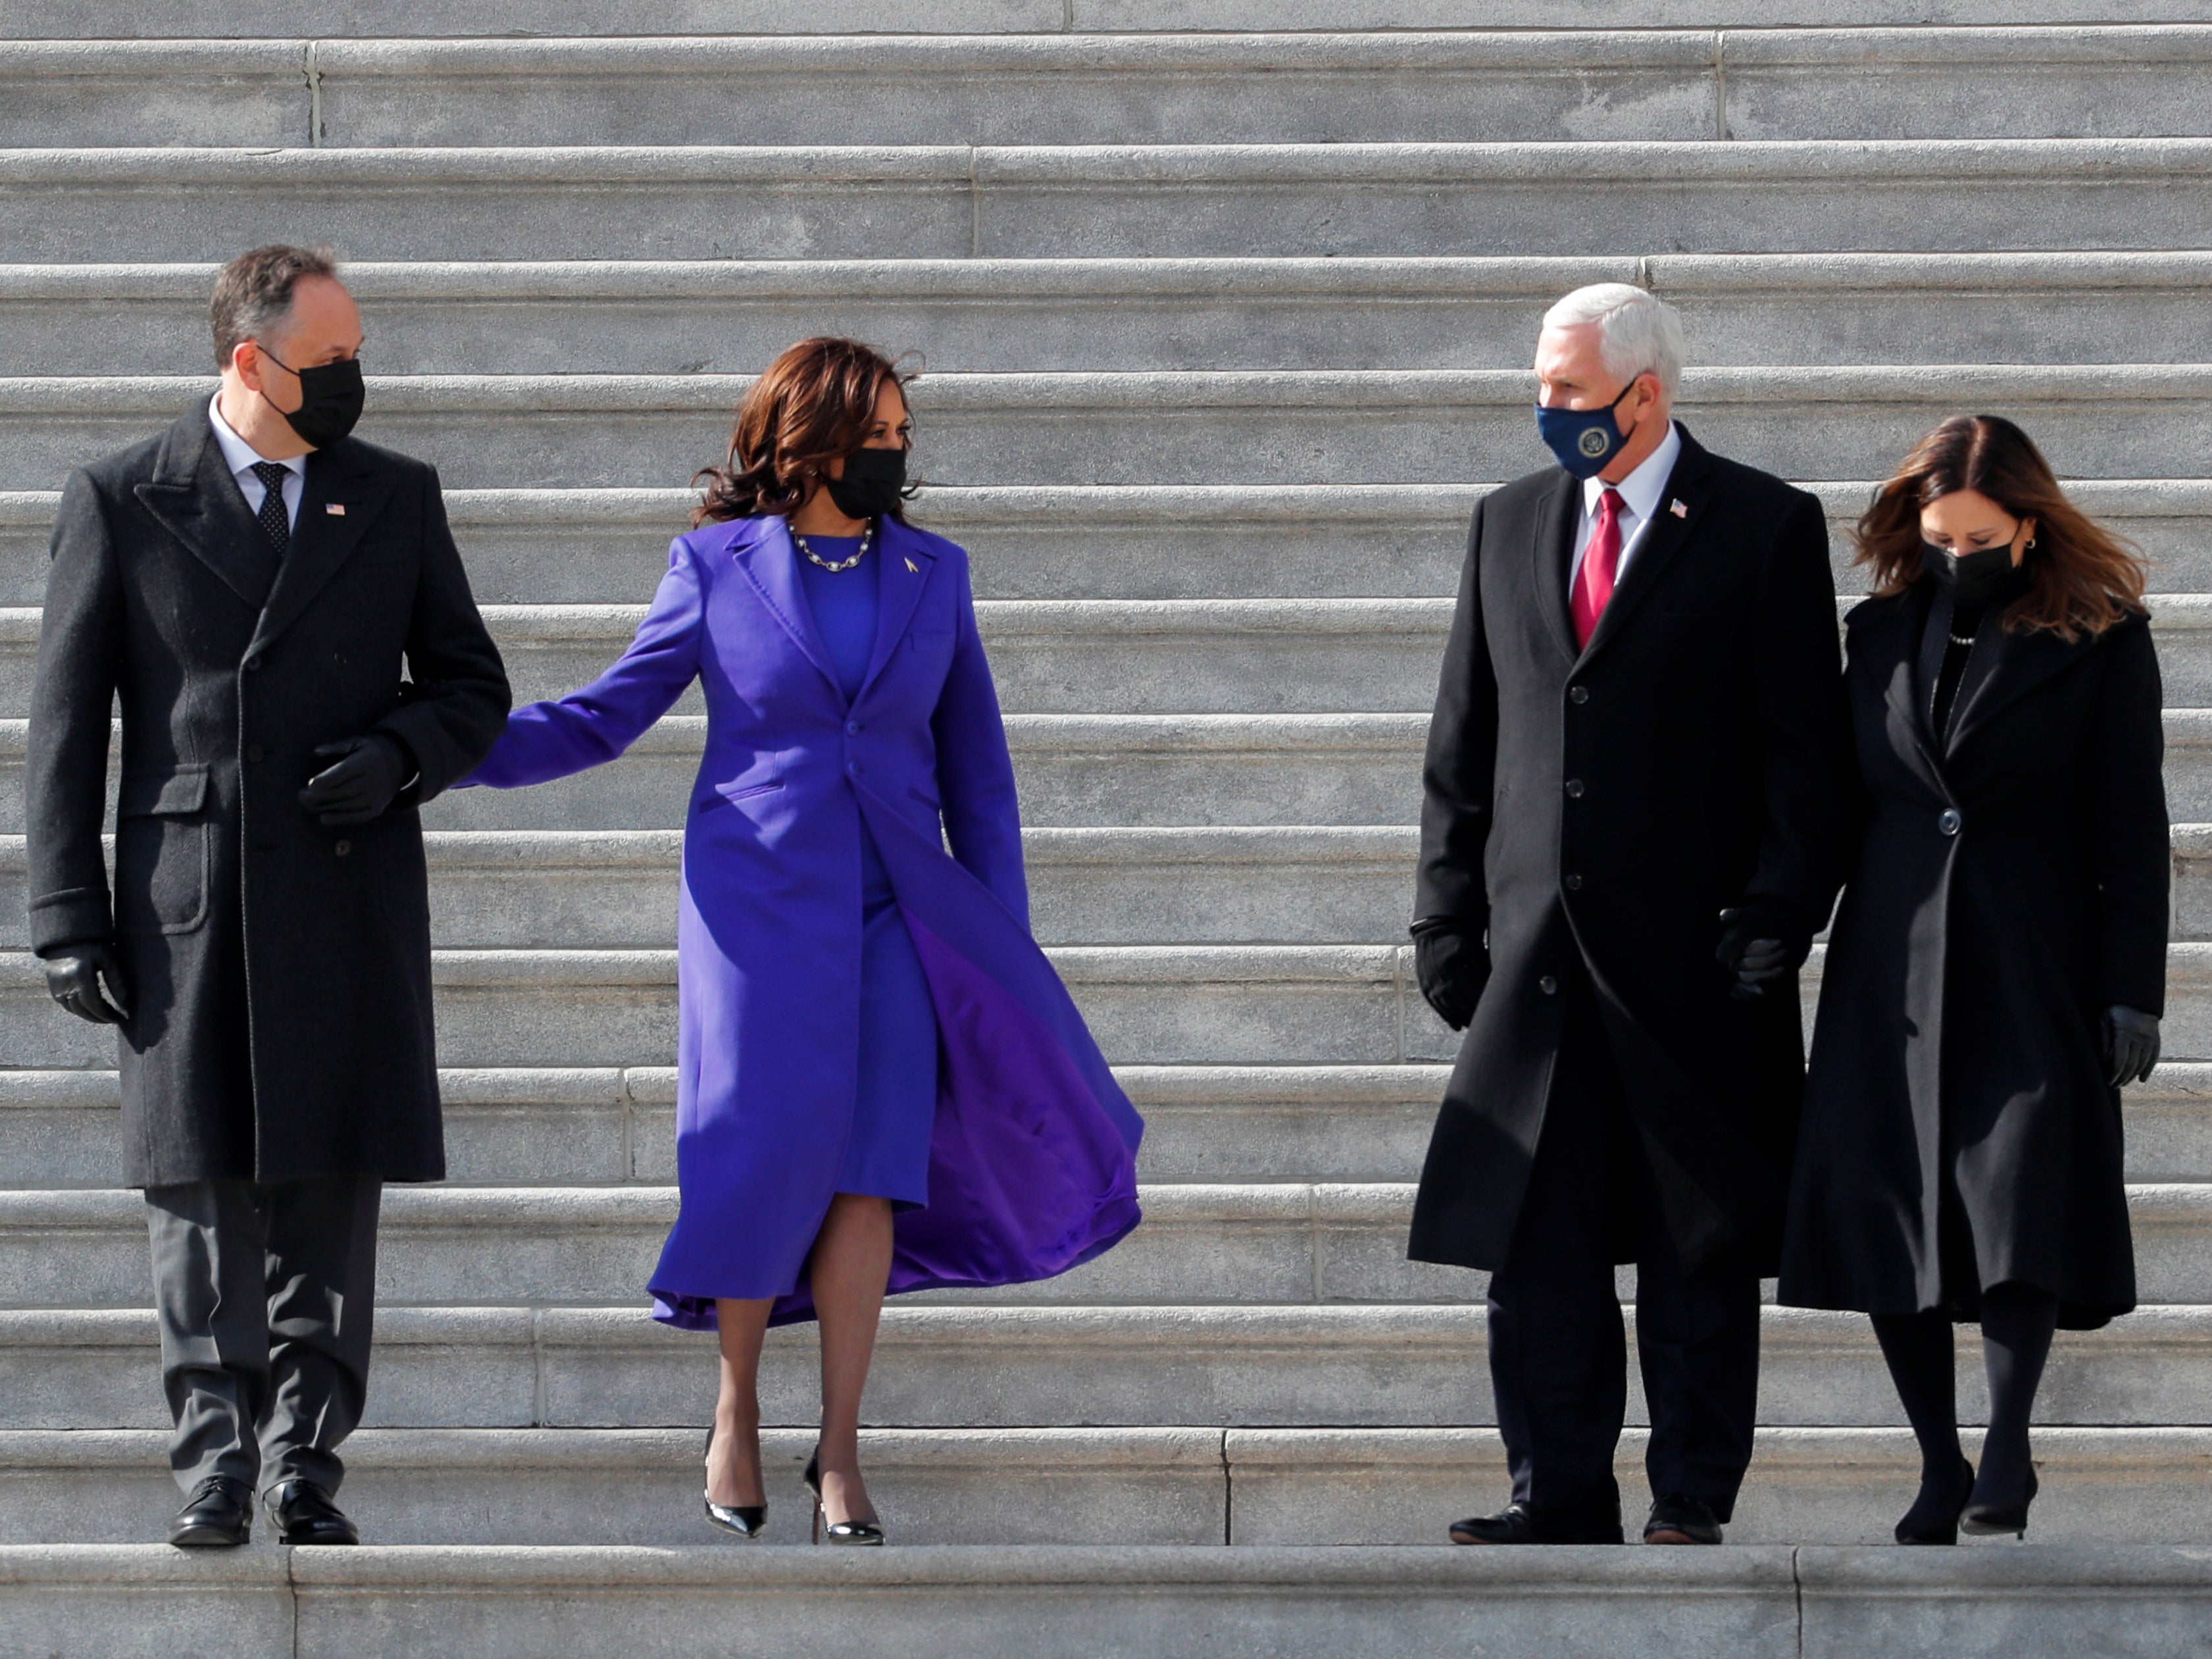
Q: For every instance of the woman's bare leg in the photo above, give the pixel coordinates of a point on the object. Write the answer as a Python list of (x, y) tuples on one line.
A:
[(733, 1466), (850, 1264)]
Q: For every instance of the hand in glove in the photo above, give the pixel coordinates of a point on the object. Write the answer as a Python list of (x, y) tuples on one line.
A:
[(74, 980), (367, 776), (2131, 1045), (1452, 965), (1763, 941)]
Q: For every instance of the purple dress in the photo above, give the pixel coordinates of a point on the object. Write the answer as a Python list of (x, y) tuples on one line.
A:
[(1031, 1159)]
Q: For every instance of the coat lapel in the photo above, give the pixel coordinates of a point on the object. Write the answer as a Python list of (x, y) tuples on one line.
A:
[(899, 581), (194, 497), (2018, 663), (764, 558), (322, 539), (1665, 537), (1885, 640), (1552, 549)]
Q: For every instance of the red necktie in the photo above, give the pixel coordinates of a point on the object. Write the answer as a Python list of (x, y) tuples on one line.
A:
[(1601, 559)]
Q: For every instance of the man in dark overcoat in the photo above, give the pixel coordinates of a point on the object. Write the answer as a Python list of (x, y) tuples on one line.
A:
[(281, 611), (1630, 834)]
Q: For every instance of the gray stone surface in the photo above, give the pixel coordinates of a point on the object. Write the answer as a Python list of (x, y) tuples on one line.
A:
[(145, 1602)]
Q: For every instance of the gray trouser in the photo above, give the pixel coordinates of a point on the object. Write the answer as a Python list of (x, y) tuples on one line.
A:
[(265, 1293)]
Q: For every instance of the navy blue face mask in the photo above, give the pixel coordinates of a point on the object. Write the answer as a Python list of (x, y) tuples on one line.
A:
[(1584, 439)]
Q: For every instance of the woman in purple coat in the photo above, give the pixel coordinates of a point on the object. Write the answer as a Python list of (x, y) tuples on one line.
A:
[(882, 1083)]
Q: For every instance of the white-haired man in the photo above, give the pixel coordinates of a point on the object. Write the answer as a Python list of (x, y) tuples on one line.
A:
[(1634, 801)]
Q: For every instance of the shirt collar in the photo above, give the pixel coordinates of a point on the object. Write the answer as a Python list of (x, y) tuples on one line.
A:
[(1641, 490), (239, 455)]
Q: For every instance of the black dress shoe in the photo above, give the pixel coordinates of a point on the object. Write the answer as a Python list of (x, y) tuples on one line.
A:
[(1524, 1523), (219, 1515), (1934, 1517), (1993, 1520), (1677, 1518), (304, 1514)]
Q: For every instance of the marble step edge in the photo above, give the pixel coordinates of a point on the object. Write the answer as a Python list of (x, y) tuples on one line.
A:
[(957, 508), (1824, 164), (2174, 1207), (1153, 390), (1221, 277), (1392, 1330), (1416, 51)]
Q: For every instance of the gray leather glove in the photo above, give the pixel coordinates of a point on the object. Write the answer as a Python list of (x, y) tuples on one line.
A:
[(87, 978)]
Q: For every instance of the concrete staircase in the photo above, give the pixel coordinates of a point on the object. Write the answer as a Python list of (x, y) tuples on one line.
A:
[(1224, 329)]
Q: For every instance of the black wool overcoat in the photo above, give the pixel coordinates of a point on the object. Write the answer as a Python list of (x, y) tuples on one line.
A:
[(2011, 883), (280, 971), (1600, 808)]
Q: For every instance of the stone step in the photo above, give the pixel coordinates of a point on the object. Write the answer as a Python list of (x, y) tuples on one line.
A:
[(1282, 1242), (1072, 314), (1299, 1365), (1333, 426), (1043, 1602), (580, 1126), (957, 201), (1154, 1486), (1131, 542), (2102, 81)]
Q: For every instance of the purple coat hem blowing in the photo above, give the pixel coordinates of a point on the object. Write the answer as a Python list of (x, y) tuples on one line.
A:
[(1032, 1165)]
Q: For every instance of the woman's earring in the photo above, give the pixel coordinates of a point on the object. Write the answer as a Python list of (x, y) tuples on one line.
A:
[(2029, 548)]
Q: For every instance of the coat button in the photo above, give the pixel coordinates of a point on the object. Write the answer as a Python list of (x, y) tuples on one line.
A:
[(1548, 985), (853, 728), (853, 767), (253, 662), (1949, 823), (1579, 694), (343, 848), (253, 751), (1574, 883), (1574, 788)]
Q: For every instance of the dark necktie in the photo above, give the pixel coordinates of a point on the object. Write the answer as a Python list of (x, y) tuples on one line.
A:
[(275, 524)]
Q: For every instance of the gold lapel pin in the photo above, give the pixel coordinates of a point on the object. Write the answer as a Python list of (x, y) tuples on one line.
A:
[(913, 567)]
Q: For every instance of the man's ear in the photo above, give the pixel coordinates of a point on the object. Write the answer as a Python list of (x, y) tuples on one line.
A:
[(246, 364)]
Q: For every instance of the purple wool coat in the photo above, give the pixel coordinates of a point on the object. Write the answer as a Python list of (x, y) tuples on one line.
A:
[(1032, 1165)]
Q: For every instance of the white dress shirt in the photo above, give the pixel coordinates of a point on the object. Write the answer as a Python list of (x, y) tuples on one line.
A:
[(1640, 492), (240, 456)]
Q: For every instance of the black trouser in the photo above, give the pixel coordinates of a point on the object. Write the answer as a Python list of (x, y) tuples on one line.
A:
[(1558, 1357), (265, 1294)]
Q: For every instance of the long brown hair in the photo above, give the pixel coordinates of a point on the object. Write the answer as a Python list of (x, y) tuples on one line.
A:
[(811, 405), (2082, 579)]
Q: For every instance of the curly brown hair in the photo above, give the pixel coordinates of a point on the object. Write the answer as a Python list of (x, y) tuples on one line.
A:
[(811, 406), (2082, 579)]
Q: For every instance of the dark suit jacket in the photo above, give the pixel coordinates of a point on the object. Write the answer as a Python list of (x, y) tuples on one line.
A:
[(1606, 805), (1958, 1043), (281, 971)]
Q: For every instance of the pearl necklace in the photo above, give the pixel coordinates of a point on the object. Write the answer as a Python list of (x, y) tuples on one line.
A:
[(867, 541)]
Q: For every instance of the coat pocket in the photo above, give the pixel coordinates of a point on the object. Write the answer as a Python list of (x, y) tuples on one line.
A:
[(164, 851)]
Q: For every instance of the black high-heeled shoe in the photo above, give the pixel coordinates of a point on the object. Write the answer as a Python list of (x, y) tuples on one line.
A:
[(747, 1520), (1936, 1522), (839, 1532), (1995, 1520)]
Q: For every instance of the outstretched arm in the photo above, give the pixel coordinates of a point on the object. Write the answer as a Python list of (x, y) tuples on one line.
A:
[(975, 772), (592, 726)]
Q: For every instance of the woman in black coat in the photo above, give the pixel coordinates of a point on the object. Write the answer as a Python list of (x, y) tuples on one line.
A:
[(1997, 967)]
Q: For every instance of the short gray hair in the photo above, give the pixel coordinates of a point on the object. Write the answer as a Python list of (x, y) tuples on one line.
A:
[(1638, 332)]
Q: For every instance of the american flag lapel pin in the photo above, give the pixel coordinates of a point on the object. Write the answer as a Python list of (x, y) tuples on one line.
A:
[(336, 509), (1678, 509)]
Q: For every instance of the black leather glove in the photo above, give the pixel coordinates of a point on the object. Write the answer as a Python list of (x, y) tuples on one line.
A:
[(1763, 940), (76, 977), (2131, 1044), (1452, 965), (368, 774)]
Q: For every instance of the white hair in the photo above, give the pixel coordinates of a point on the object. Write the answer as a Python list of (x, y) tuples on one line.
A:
[(1638, 332)]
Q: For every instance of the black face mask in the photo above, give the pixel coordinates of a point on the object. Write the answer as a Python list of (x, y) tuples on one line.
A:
[(872, 484), (1973, 578), (331, 397)]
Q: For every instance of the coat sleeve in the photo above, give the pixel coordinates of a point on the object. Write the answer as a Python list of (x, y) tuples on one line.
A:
[(457, 692), (72, 700), (975, 772), (1804, 720), (2132, 852), (589, 728), (1458, 774)]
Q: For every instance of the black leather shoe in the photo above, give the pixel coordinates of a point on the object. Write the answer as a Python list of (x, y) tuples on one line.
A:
[(1994, 1520), (304, 1514), (1934, 1517), (1678, 1519), (1524, 1523), (219, 1515)]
